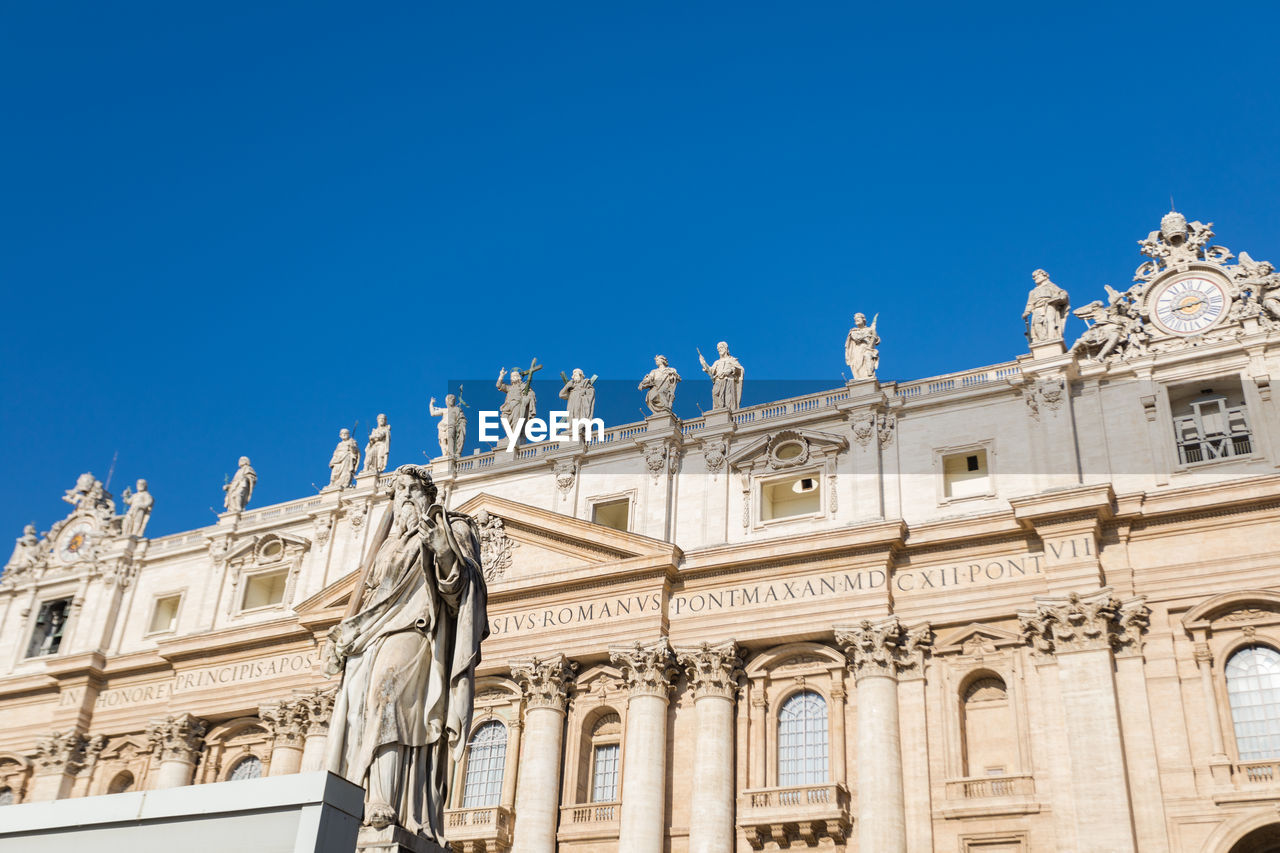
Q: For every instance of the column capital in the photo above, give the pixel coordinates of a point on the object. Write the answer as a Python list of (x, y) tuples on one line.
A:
[(647, 668), (883, 648), (546, 681), (1075, 622), (712, 668), (61, 753), (317, 707), (286, 721), (1203, 654), (177, 738)]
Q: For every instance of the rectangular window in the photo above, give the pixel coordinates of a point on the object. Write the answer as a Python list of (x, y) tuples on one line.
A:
[(965, 474), (604, 773), (46, 637), (164, 614), (795, 496), (264, 590), (614, 513), (1210, 421)]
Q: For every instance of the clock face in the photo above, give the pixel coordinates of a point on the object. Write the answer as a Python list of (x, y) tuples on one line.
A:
[(1189, 305), (74, 542)]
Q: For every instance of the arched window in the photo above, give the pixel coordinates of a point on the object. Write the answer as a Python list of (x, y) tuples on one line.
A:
[(802, 740), (123, 782), (990, 736), (1253, 688), (7, 797), (606, 747), (486, 759), (249, 767)]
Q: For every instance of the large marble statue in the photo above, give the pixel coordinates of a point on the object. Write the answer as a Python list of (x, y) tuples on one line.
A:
[(451, 431), (26, 551), (1112, 327), (378, 450), (240, 489), (345, 459), (521, 403), (580, 392), (1046, 311), (139, 512), (661, 383), (407, 651), (1263, 284), (861, 347), (727, 376)]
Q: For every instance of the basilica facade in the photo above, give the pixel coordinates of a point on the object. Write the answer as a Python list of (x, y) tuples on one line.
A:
[(1033, 606)]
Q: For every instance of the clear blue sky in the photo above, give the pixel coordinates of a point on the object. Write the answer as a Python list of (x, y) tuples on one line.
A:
[(235, 228)]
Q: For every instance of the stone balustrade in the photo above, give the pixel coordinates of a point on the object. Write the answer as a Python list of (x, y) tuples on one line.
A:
[(984, 787), (478, 830), (1257, 772), (795, 814)]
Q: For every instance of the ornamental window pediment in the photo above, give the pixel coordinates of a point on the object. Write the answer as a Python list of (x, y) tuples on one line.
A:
[(788, 475)]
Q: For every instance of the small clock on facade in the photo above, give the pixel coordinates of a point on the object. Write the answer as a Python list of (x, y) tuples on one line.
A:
[(1189, 304), (74, 542)]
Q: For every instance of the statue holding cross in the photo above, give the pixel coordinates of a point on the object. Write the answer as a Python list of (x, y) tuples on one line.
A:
[(521, 403)]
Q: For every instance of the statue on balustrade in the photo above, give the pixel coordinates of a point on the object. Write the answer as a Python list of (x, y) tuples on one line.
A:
[(521, 403), (451, 431), (240, 489), (1046, 311), (580, 393), (861, 348), (378, 450), (407, 651), (26, 551), (661, 384), (139, 512), (727, 375), (342, 465)]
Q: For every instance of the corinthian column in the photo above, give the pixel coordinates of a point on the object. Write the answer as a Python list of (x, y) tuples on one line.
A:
[(176, 743), (318, 707), (546, 683), (1081, 632), (713, 672), (877, 651), (286, 722), (647, 669), (58, 759)]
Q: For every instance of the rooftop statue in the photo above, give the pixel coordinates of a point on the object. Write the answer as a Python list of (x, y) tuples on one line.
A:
[(1111, 327), (139, 512), (451, 431), (661, 384), (407, 651), (26, 551), (580, 392), (1046, 311), (861, 348), (342, 465), (727, 376), (521, 403), (378, 450), (240, 489)]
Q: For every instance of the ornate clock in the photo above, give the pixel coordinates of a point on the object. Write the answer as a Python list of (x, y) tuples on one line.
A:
[(74, 541), (1189, 304)]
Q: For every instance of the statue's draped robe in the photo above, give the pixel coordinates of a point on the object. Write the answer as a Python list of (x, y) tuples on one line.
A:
[(860, 352), (414, 693), (661, 382), (726, 378), (581, 397), (343, 463)]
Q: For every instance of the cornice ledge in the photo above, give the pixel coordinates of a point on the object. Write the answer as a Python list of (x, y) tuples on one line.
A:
[(230, 639), (91, 664), (1078, 500), (963, 527), (1209, 496), (890, 536)]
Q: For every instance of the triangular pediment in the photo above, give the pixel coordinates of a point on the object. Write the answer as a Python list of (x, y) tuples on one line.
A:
[(975, 636), (808, 442)]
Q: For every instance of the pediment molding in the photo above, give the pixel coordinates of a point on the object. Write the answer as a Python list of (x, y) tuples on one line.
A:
[(976, 637)]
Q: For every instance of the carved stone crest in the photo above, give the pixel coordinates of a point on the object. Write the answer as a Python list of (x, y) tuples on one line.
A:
[(495, 545), (713, 454), (566, 471), (655, 459)]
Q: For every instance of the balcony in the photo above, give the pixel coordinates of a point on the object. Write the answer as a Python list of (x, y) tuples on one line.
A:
[(1255, 773), (589, 821), (482, 830), (795, 814), (990, 795)]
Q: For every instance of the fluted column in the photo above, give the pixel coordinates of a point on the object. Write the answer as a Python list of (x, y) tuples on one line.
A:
[(176, 743), (877, 651), (319, 708), (546, 683), (647, 669), (286, 722), (1080, 632), (713, 672), (58, 759)]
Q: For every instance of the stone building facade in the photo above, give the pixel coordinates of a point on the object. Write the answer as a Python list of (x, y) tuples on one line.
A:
[(1027, 607)]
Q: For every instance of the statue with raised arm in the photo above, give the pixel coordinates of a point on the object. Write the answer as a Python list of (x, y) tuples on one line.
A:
[(26, 551), (521, 403), (661, 385), (451, 431), (861, 347), (407, 651), (727, 375), (240, 489), (378, 450), (1046, 311), (580, 393), (345, 460), (139, 512)]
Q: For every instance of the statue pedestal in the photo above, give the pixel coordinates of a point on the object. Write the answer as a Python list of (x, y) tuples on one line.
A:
[(395, 839), (1048, 349)]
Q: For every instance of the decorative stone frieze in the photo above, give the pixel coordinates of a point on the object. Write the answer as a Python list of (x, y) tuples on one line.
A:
[(883, 648), (1098, 620), (546, 681), (62, 753), (647, 668), (712, 669), (177, 738)]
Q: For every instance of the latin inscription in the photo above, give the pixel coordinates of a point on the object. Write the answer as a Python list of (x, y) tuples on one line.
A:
[(198, 679)]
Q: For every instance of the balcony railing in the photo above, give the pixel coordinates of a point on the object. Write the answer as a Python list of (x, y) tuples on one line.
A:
[(984, 787), (589, 820), (795, 814), (480, 830), (1258, 772)]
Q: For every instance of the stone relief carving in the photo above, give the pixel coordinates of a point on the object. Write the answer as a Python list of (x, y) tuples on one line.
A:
[(343, 463), (286, 721), (178, 737), (1047, 393), (1098, 620), (451, 431), (661, 385), (1046, 311), (140, 504), (1262, 284), (864, 430), (727, 377), (378, 449), (566, 471), (547, 681), (655, 459), (29, 552), (495, 545), (714, 453), (63, 751), (322, 527), (1177, 243), (1115, 327), (647, 668), (240, 489), (787, 449), (883, 648), (885, 426), (713, 669), (862, 347), (580, 394)]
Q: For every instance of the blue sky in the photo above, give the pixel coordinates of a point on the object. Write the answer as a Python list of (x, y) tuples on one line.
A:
[(235, 228)]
